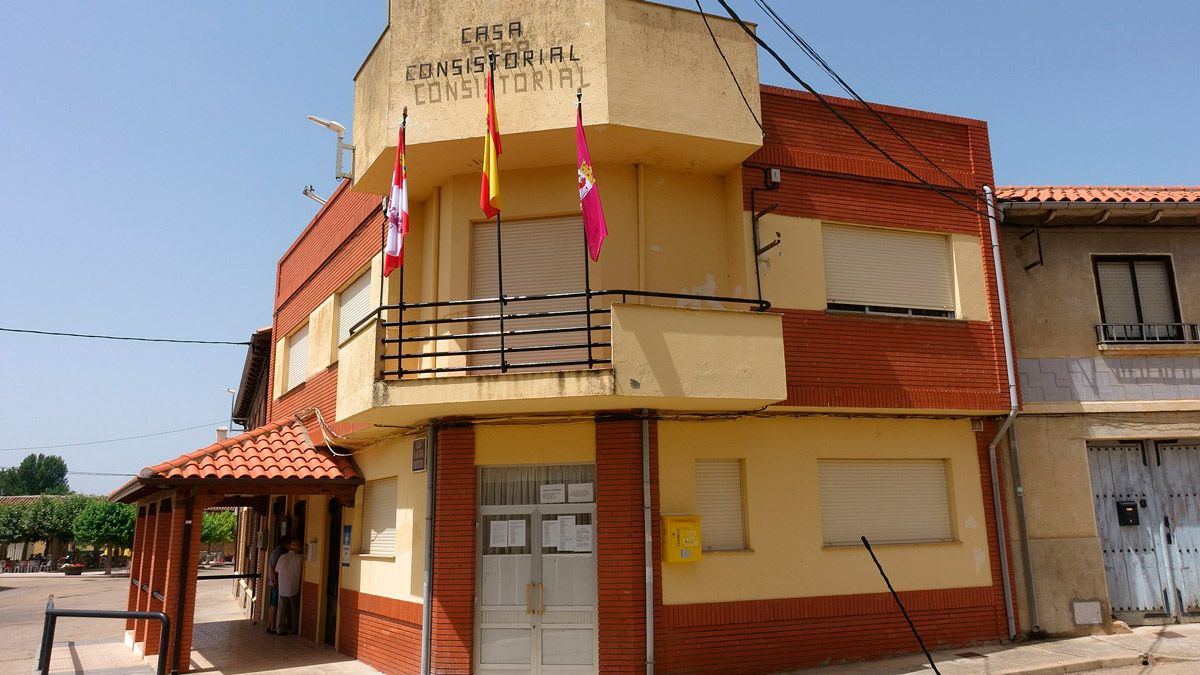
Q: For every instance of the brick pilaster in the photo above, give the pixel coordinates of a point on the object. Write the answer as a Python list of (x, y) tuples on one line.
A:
[(139, 534), (620, 539), (454, 552), (145, 570), (181, 599), (160, 555)]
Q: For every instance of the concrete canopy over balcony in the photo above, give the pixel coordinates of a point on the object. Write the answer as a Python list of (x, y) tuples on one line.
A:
[(636, 63), (668, 358)]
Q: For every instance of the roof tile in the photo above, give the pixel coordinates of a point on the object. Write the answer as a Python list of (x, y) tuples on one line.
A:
[(1128, 194)]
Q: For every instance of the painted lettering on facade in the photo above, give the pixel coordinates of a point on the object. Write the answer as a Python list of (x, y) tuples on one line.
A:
[(522, 66)]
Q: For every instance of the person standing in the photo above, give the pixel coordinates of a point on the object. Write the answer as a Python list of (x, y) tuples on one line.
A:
[(273, 583), (288, 571)]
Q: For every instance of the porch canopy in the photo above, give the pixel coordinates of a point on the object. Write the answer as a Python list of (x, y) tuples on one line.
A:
[(244, 470)]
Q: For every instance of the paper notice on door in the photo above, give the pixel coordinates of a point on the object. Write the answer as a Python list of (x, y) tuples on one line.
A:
[(516, 533), (583, 538), (498, 534), (550, 532), (581, 493), (566, 533), (555, 493)]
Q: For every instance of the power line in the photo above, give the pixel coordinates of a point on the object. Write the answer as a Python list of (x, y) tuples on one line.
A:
[(816, 58), (750, 108), (110, 440), (121, 337), (842, 118)]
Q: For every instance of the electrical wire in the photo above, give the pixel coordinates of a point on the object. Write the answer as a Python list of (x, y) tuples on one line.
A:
[(712, 35), (82, 473), (842, 118), (109, 440), (121, 337), (816, 58)]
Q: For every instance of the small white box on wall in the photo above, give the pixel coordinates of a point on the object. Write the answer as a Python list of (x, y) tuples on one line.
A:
[(1087, 612)]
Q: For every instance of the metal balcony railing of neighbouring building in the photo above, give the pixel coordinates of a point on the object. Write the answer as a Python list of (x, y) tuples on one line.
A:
[(1148, 333), (548, 331)]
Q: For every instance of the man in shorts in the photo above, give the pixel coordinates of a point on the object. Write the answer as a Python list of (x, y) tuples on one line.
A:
[(273, 583)]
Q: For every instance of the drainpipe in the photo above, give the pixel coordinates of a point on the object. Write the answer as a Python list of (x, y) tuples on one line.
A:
[(427, 594), (649, 543), (1013, 456), (997, 504), (180, 604)]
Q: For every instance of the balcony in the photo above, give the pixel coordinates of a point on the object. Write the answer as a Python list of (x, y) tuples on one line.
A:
[(1147, 333), (561, 352)]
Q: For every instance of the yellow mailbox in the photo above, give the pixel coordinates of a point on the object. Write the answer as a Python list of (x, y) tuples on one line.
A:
[(681, 538)]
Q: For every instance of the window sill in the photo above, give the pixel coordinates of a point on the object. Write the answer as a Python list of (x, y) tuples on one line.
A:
[(376, 557), (894, 318), (858, 545), (1150, 349), (732, 551)]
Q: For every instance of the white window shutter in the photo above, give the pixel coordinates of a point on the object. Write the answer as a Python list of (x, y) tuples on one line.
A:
[(540, 256), (888, 501), (297, 357), (379, 517), (1154, 291), (1116, 292), (876, 267), (353, 304), (720, 504)]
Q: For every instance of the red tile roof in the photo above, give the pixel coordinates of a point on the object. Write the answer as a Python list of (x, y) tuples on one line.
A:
[(23, 500), (280, 451), (1129, 194), (277, 450)]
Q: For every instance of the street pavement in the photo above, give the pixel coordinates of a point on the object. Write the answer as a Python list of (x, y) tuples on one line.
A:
[(23, 603)]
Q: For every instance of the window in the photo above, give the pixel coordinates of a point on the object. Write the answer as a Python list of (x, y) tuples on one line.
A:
[(719, 504), (354, 303), (1137, 300), (900, 501), (379, 517), (870, 269), (297, 358)]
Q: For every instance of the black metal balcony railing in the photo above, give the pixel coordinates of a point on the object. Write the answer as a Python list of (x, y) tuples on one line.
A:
[(512, 332), (1147, 333)]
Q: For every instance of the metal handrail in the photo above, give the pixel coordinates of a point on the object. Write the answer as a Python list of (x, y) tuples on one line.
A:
[(1154, 333), (394, 339), (53, 614)]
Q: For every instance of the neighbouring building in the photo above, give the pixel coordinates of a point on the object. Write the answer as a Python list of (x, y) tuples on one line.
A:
[(1105, 297), (787, 343)]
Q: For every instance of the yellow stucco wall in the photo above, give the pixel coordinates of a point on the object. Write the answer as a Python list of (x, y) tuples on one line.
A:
[(566, 443), (636, 63), (400, 576), (783, 518), (793, 273)]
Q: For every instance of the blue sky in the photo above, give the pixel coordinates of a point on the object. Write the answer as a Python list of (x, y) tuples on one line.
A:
[(152, 157)]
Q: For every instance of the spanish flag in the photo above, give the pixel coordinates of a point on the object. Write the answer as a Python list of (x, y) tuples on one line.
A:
[(489, 191)]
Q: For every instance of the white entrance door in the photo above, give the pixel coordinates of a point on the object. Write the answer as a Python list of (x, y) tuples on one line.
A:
[(536, 607)]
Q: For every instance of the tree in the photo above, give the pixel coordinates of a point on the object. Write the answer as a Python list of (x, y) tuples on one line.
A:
[(37, 474), (52, 520), (12, 525), (217, 527), (108, 524)]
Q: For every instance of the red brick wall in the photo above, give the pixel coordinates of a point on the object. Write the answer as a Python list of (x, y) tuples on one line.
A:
[(454, 552), (343, 237), (383, 633), (310, 595), (770, 635), (620, 537), (831, 174)]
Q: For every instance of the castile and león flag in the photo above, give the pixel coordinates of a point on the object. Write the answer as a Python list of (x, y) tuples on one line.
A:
[(397, 214)]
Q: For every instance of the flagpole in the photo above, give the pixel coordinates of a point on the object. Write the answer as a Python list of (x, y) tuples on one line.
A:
[(587, 281), (400, 300), (499, 240)]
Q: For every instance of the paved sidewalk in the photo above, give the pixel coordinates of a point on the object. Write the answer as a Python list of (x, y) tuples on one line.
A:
[(224, 641), (1145, 646)]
